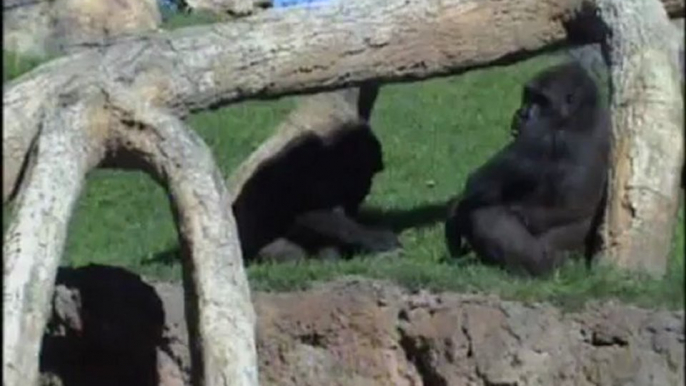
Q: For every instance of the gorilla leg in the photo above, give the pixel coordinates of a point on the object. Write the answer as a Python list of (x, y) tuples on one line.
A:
[(568, 237), (572, 237), (499, 237), (333, 227), (328, 234)]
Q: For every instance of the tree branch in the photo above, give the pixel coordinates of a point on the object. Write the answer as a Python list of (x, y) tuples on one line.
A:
[(35, 240), (279, 52), (218, 308)]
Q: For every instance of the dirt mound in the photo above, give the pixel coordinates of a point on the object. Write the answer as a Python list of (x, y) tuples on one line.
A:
[(356, 332)]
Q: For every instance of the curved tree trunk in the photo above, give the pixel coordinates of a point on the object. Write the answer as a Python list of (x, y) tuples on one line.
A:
[(125, 100), (35, 240), (220, 315)]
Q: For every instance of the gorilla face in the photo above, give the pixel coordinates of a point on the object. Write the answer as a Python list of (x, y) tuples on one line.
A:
[(536, 115), (553, 102)]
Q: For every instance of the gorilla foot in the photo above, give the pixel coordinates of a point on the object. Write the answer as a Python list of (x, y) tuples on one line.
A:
[(281, 250)]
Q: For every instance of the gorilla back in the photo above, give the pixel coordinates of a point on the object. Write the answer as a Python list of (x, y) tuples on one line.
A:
[(542, 195)]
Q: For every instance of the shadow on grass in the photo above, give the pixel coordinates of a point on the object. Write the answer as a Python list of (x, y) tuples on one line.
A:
[(395, 219)]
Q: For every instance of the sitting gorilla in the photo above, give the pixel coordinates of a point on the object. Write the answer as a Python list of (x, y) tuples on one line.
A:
[(304, 200), (541, 196)]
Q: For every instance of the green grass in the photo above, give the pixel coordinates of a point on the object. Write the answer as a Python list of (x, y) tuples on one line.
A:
[(14, 65), (433, 132), (179, 19)]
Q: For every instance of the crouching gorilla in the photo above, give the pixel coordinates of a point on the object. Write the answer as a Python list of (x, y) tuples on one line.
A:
[(542, 195), (305, 200)]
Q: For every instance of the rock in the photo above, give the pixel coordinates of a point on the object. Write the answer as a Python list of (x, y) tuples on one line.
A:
[(358, 332), (49, 27)]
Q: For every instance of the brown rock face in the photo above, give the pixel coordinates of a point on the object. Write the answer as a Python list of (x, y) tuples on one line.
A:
[(365, 333)]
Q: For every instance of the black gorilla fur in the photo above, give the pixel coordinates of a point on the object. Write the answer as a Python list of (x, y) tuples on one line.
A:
[(313, 173), (542, 195)]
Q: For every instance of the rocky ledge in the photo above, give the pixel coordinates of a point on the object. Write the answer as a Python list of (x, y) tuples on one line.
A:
[(110, 327)]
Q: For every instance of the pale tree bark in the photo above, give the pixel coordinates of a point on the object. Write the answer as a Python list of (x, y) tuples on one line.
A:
[(131, 133), (279, 52), (220, 317), (195, 68), (144, 83), (35, 240), (648, 137)]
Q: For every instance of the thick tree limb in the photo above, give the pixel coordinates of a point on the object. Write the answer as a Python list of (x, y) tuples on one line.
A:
[(285, 51), (218, 307), (648, 133), (24, 103), (35, 240)]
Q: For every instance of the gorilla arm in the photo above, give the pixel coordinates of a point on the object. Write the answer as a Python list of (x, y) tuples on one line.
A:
[(512, 174), (579, 199), (539, 218), (508, 175)]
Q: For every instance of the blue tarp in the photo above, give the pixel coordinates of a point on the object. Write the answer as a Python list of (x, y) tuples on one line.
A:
[(293, 3), (168, 5)]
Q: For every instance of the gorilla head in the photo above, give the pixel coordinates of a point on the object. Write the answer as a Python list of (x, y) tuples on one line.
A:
[(551, 101)]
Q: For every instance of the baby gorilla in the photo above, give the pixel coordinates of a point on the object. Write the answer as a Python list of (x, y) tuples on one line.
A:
[(543, 194)]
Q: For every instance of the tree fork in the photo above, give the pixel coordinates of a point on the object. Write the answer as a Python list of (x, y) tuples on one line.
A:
[(219, 312)]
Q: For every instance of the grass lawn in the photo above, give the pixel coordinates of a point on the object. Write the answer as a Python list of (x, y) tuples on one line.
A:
[(433, 132)]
